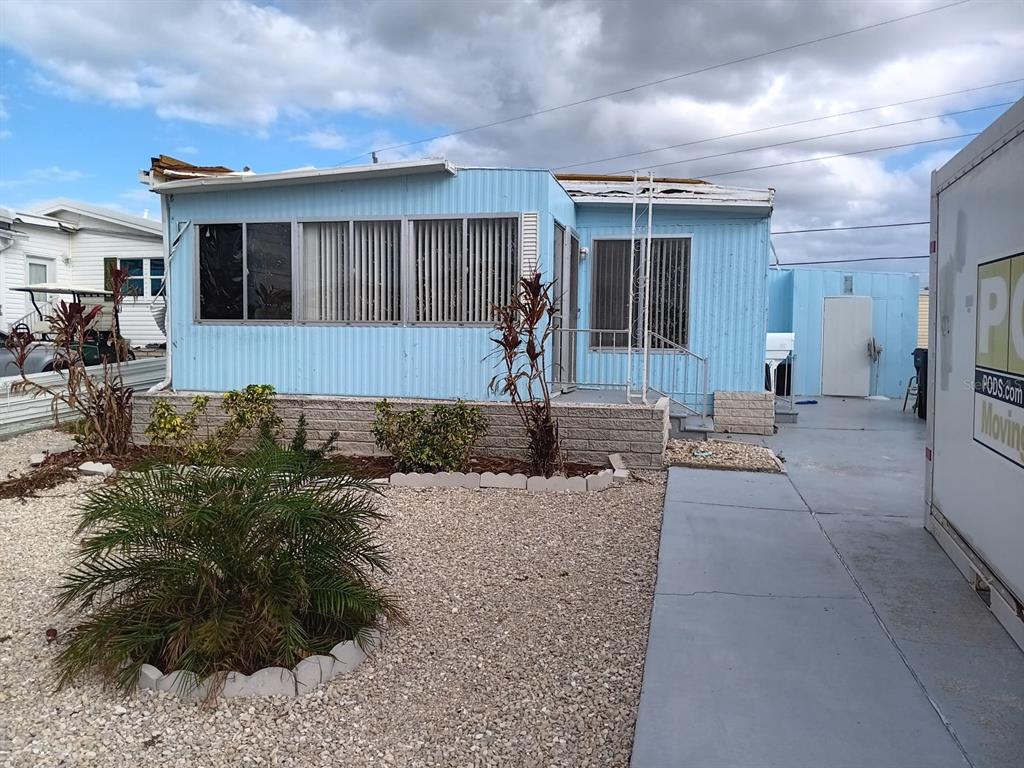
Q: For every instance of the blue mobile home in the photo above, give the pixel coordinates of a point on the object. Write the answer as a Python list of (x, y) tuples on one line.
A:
[(796, 305), (378, 280)]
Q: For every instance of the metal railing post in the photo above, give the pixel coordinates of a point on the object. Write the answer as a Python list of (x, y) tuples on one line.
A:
[(704, 394)]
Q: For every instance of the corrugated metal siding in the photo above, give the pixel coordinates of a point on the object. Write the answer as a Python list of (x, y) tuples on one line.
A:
[(352, 360), (780, 301), (894, 325), (21, 412), (728, 295), (922, 320)]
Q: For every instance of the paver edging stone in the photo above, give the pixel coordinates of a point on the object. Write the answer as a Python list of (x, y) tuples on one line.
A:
[(303, 678)]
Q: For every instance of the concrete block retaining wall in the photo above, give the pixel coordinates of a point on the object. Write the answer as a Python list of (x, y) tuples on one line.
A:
[(749, 413), (589, 432)]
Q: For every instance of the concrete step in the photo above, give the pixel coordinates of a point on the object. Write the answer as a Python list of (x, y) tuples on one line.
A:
[(689, 427)]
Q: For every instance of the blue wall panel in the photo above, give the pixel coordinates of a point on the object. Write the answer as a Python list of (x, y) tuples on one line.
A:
[(894, 324), (780, 301), (413, 361), (728, 295)]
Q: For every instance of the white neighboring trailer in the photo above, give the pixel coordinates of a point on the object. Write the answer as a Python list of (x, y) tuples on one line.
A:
[(975, 441)]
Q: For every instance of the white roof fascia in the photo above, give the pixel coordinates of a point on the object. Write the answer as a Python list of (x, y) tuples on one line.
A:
[(311, 175), (668, 193), (149, 226)]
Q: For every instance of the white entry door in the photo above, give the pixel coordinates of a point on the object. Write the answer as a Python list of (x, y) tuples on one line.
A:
[(846, 331)]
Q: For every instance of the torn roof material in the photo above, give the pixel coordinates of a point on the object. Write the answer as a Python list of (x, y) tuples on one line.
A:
[(587, 188), (182, 177), (170, 175)]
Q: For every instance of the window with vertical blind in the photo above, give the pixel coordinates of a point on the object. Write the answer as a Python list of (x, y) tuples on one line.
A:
[(463, 267), (444, 270), (351, 272), (669, 292)]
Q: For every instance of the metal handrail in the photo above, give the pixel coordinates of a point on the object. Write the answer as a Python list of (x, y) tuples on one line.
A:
[(686, 353), (680, 355)]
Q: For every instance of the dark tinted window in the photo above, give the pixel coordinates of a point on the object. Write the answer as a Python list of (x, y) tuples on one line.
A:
[(269, 265), (220, 272)]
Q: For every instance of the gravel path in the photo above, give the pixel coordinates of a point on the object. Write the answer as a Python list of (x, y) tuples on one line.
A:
[(528, 626), (14, 451)]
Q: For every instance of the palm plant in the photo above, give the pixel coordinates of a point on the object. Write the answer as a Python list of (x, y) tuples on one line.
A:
[(214, 569)]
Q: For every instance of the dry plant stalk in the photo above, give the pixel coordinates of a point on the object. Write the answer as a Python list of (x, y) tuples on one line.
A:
[(524, 326), (102, 403)]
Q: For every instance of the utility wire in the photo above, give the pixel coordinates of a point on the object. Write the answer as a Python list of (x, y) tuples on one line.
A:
[(789, 125), (847, 132), (660, 81), (843, 229), (840, 154), (846, 261)]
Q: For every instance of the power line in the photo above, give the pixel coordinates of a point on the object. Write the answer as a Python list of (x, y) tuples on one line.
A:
[(846, 261), (789, 125), (822, 136), (841, 154), (661, 81), (843, 229)]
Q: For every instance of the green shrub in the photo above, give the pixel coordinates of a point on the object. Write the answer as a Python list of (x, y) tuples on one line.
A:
[(213, 569), (436, 441), (249, 409)]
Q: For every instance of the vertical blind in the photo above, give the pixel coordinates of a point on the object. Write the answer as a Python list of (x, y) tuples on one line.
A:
[(463, 267), (351, 271)]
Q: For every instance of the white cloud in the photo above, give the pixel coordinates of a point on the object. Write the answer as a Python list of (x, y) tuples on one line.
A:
[(187, 150), (296, 68), (54, 174), (324, 139)]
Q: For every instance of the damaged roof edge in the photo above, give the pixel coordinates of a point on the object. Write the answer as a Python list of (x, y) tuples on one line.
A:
[(196, 179)]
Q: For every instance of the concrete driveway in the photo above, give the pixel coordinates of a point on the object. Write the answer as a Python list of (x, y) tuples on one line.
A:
[(809, 620)]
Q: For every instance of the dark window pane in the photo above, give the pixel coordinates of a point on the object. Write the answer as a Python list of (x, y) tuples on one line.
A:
[(269, 262), (156, 267), (610, 289), (132, 266), (220, 272)]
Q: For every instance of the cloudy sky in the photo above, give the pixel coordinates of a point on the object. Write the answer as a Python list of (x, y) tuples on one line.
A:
[(90, 90)]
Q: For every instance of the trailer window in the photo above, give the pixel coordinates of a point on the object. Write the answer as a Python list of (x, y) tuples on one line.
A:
[(669, 292), (350, 271), (245, 271), (463, 267)]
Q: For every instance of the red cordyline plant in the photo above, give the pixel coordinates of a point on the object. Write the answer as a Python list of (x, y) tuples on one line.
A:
[(524, 326), (96, 394)]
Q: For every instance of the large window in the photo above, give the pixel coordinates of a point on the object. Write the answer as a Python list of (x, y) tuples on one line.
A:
[(669, 292), (463, 267), (245, 271), (350, 271), (442, 270)]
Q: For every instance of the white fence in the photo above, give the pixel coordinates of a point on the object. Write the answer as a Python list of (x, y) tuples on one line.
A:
[(21, 412)]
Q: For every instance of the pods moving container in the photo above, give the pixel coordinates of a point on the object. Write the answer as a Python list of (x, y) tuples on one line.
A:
[(975, 445)]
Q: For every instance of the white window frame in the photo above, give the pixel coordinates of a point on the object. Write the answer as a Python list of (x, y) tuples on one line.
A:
[(406, 264), (147, 278), (594, 240)]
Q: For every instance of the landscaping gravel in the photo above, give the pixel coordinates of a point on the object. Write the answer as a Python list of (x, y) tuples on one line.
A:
[(721, 454), (528, 617), (15, 451)]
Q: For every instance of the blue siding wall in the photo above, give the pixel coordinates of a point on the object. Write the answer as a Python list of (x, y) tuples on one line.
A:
[(412, 361), (894, 324), (728, 293), (780, 301)]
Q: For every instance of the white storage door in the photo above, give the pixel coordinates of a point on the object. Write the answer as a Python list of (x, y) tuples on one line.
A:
[(846, 331)]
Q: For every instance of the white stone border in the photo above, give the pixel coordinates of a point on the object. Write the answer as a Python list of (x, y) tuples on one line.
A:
[(476, 480), (269, 681)]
